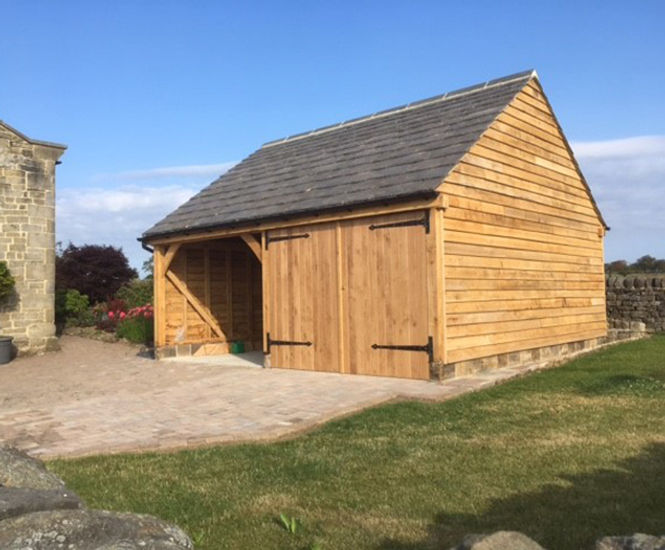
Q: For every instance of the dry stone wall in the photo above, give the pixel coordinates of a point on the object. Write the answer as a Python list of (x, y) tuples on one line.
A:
[(27, 238), (638, 298)]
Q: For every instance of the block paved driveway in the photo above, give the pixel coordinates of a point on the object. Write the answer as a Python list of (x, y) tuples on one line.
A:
[(94, 397)]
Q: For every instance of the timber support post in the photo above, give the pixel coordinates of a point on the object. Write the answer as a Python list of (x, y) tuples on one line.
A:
[(436, 286)]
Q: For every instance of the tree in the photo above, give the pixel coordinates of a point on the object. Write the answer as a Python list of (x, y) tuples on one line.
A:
[(97, 271), (618, 266), (148, 268), (645, 264)]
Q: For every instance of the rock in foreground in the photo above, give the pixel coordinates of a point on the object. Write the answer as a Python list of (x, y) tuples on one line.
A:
[(38, 512), (638, 541), (501, 540), (16, 501), (17, 469), (90, 529)]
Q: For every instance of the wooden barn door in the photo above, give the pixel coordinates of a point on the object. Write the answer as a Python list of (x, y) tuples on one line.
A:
[(386, 286), (302, 305)]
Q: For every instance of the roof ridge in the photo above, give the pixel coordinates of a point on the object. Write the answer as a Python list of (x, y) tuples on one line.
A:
[(524, 75)]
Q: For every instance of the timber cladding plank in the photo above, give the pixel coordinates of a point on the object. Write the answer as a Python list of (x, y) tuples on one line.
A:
[(499, 305), (524, 262)]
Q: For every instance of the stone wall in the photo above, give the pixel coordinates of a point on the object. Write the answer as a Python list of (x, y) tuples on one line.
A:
[(636, 298), (27, 238)]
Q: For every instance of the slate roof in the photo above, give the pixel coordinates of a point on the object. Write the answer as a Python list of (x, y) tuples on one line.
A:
[(398, 154)]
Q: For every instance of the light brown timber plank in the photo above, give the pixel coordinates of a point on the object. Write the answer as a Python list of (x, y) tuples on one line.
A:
[(455, 272), (159, 289), (505, 327), (494, 295), (436, 283), (472, 285), (265, 286), (465, 354), (520, 304), (461, 319)]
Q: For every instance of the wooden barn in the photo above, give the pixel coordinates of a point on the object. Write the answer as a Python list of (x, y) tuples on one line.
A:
[(436, 238)]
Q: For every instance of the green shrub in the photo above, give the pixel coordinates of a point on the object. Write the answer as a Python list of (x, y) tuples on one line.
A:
[(73, 308), (136, 293), (6, 281)]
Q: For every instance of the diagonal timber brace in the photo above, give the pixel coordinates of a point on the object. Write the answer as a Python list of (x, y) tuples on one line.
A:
[(198, 306)]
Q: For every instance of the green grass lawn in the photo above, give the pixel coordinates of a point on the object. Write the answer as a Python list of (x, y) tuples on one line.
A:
[(565, 455)]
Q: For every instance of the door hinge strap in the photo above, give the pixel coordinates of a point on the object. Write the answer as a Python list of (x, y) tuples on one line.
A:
[(272, 342), (424, 221), (270, 239), (427, 348)]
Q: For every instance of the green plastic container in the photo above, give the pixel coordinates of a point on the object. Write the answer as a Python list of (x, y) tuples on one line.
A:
[(238, 346)]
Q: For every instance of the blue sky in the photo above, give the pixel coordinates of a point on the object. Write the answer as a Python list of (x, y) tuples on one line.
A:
[(154, 99)]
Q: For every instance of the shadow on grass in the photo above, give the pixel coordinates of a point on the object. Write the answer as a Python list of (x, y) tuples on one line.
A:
[(625, 500)]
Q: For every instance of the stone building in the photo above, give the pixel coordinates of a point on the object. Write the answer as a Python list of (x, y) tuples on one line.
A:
[(27, 237)]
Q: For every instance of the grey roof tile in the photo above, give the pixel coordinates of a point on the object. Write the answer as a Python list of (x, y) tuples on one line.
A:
[(396, 154)]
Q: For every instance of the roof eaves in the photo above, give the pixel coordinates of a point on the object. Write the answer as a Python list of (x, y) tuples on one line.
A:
[(149, 236)]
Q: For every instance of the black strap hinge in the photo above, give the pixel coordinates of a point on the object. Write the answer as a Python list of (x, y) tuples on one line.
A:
[(427, 348), (424, 221), (272, 342), (270, 239)]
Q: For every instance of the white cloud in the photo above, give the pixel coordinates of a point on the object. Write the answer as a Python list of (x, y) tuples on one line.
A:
[(117, 214), (627, 178), (196, 170), (621, 148)]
